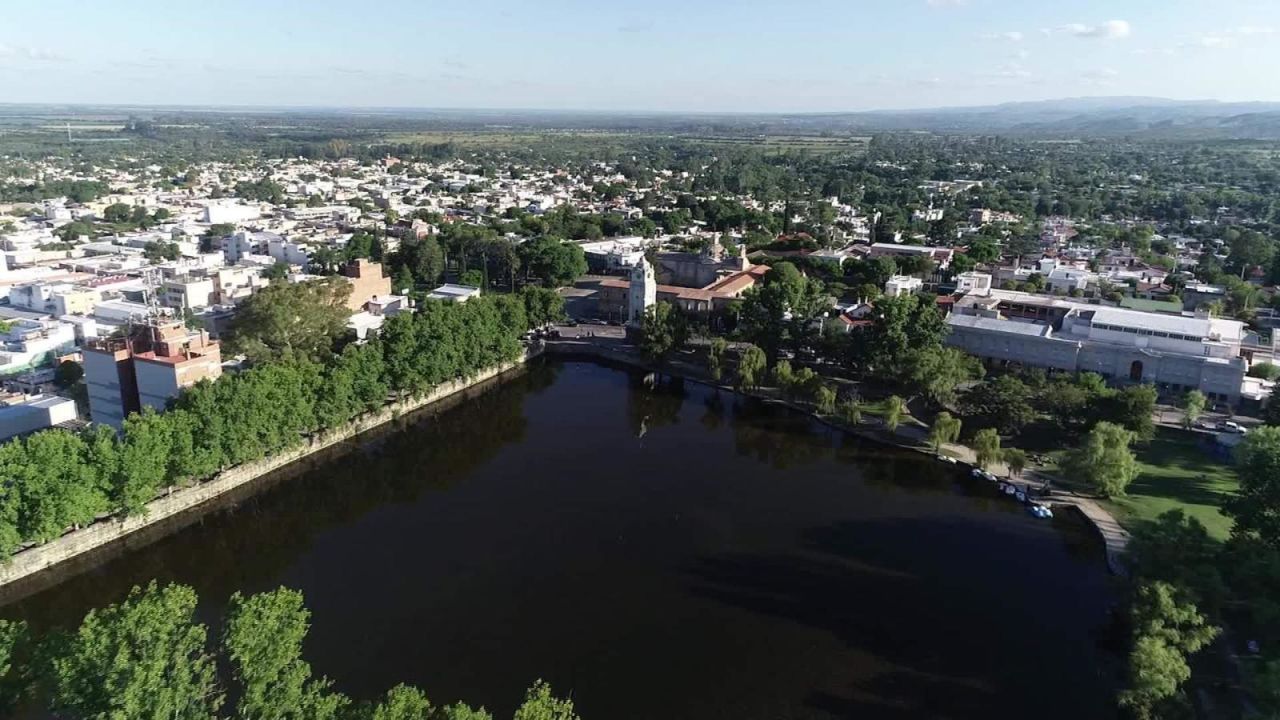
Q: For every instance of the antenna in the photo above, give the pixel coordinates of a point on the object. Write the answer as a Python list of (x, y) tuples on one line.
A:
[(151, 280)]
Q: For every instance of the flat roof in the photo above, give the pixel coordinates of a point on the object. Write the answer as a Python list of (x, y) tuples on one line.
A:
[(1193, 326), (978, 322)]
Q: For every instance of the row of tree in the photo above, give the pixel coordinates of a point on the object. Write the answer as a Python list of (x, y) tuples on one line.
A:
[(57, 479), (149, 658)]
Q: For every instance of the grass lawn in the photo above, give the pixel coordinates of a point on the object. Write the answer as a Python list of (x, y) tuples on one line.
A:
[(1177, 472)]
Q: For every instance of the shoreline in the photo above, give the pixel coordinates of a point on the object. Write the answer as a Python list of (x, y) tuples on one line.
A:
[(39, 567), (1114, 537)]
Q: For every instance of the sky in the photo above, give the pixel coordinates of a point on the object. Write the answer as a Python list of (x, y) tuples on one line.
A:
[(656, 55)]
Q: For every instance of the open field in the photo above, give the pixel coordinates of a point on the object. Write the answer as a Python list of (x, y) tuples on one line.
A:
[(1178, 474)]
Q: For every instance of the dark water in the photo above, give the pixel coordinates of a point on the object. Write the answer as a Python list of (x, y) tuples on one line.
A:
[(670, 554)]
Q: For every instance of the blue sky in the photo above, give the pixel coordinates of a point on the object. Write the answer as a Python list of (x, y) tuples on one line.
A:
[(690, 55)]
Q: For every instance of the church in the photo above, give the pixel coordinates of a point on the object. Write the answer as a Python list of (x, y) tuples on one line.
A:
[(694, 282)]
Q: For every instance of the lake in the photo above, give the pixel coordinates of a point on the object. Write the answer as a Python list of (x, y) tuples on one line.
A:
[(669, 553)]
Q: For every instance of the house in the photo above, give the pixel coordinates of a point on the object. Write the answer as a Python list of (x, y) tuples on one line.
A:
[(900, 285)]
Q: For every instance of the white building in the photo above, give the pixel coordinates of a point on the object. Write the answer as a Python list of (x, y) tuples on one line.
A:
[(35, 412), (643, 293), (1174, 353), (188, 292), (899, 285), (229, 213), (973, 282), (286, 251), (32, 343)]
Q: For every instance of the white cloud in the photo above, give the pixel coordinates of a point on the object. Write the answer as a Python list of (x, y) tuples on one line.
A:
[(1109, 30), (1214, 41), (30, 53), (1012, 71), (1101, 77), (1011, 36)]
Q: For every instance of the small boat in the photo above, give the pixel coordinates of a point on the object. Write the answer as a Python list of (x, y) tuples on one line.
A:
[(1022, 497), (1040, 511), (978, 473), (947, 459), (1009, 489)]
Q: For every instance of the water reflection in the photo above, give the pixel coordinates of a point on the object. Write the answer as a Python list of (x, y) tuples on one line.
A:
[(740, 560)]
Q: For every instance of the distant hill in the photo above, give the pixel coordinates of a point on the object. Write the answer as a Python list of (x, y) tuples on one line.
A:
[(1077, 116), (1137, 117)]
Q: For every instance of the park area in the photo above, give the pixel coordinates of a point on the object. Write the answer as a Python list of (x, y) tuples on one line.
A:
[(1178, 471)]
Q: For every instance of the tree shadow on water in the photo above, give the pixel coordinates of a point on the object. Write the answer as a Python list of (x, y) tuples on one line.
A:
[(933, 630)]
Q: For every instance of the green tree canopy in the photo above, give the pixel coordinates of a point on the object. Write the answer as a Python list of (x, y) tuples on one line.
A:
[(292, 320), (143, 659), (1105, 462)]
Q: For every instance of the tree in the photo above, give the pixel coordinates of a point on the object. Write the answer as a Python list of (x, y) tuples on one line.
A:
[(553, 261), (783, 376), (403, 703), (540, 704), (986, 447), (664, 331), (14, 637), (117, 213), (937, 373), (1192, 407), (825, 399), (1167, 627), (1271, 412), (715, 357), (780, 313), (903, 330), (850, 412), (160, 251), (1105, 462), (1176, 548), (945, 430), (1003, 403), (277, 272), (143, 658), (1132, 407), (263, 640), (1016, 460), (1256, 506), (404, 280), (751, 367), (291, 320), (894, 408), (68, 373)]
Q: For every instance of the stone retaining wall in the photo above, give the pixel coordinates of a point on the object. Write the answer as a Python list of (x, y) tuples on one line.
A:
[(110, 531)]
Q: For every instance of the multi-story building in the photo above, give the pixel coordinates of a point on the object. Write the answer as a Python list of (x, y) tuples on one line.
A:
[(188, 292), (53, 298), (367, 281), (146, 368), (1175, 353), (28, 344)]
